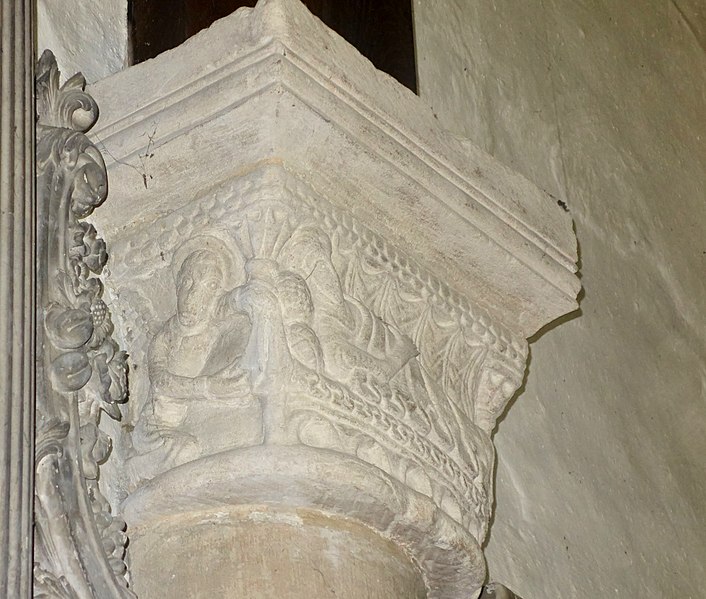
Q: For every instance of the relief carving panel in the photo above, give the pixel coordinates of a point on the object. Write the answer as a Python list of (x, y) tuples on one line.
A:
[(314, 288), (264, 316)]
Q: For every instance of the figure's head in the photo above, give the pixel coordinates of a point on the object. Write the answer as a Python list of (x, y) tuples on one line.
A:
[(199, 284)]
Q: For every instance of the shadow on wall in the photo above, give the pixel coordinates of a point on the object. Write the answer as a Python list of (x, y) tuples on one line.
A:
[(497, 591)]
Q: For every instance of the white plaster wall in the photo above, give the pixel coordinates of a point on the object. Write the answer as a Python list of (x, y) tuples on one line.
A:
[(601, 482), (89, 36)]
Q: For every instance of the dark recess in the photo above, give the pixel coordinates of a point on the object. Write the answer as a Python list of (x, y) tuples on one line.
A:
[(382, 30)]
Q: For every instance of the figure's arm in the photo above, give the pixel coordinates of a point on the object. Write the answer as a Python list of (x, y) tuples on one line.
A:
[(267, 352), (163, 380)]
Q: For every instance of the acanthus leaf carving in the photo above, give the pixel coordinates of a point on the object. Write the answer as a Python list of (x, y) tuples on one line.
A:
[(79, 542)]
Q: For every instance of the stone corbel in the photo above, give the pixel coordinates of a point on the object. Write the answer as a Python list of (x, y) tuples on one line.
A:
[(326, 299)]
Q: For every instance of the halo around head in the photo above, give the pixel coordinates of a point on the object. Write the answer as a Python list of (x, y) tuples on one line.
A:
[(231, 265)]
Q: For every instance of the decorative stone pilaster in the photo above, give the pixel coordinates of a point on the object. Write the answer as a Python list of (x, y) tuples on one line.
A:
[(326, 299), (16, 297), (81, 372)]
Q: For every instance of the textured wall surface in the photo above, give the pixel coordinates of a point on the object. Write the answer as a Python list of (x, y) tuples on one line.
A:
[(602, 460), (85, 35)]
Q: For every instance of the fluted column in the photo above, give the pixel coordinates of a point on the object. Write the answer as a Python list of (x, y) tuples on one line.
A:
[(16, 297)]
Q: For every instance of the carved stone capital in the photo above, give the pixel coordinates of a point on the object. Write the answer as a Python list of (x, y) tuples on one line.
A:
[(325, 296)]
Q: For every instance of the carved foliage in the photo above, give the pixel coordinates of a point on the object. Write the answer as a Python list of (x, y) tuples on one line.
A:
[(79, 544), (459, 343), (378, 359)]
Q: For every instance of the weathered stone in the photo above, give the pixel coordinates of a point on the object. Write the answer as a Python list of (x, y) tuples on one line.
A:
[(16, 297), (603, 107), (90, 36), (81, 372), (260, 553), (325, 296), (600, 481)]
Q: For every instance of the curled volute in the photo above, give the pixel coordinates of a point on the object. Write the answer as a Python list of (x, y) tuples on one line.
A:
[(81, 371)]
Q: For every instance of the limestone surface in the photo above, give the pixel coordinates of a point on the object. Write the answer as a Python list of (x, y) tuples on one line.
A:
[(600, 481)]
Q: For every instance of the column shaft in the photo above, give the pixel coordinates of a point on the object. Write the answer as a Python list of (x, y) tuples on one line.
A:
[(16, 297)]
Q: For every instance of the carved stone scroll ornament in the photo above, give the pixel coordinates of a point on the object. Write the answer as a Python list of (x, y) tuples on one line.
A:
[(81, 372)]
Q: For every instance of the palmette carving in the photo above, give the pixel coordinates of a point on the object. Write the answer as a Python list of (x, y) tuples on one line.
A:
[(314, 332), (82, 373), (458, 342)]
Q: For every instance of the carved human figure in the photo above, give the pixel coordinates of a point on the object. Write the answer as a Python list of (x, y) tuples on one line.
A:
[(198, 369), (298, 316), (373, 358), (353, 339), (226, 350), (197, 352)]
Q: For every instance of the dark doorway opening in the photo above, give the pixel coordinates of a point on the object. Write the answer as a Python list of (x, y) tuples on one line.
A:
[(382, 30)]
